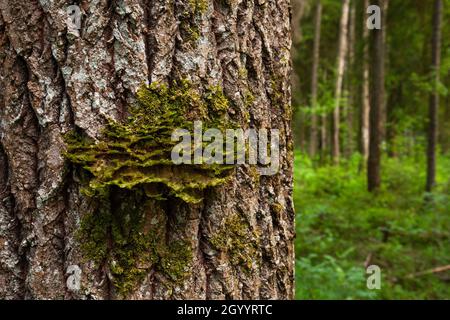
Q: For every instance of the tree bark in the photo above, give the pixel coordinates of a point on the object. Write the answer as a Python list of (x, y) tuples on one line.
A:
[(434, 98), (445, 120), (298, 10), (342, 52), (377, 101), (324, 135), (53, 82), (384, 111), (365, 103), (350, 106), (313, 142)]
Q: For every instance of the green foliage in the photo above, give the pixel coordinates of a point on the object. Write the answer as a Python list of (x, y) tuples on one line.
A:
[(340, 224)]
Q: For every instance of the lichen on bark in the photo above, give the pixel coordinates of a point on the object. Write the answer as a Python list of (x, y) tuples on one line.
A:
[(236, 239), (132, 162), (137, 153)]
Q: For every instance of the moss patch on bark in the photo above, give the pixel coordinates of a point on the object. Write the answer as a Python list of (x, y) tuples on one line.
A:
[(238, 241), (130, 168)]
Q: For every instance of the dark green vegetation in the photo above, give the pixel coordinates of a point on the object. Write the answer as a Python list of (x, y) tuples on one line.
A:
[(129, 172), (391, 126), (340, 226)]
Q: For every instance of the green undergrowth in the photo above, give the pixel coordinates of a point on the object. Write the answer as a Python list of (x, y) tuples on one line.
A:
[(130, 175), (340, 226)]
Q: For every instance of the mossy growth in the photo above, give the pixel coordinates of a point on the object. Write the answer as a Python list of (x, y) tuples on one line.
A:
[(130, 169), (137, 153), (191, 20), (199, 6), (119, 237), (238, 241)]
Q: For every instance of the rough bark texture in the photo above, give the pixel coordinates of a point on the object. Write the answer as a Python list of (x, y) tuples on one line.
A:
[(385, 9), (365, 103), (376, 105), (342, 53), (298, 10), (52, 82), (434, 98), (349, 110)]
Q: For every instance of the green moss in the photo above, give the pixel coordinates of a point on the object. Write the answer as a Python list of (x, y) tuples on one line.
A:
[(194, 33), (175, 261), (199, 6), (275, 86), (122, 241), (253, 172), (130, 166), (137, 153), (238, 241), (243, 73), (277, 207)]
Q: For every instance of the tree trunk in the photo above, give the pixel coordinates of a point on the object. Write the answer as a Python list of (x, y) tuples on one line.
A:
[(383, 119), (365, 103), (298, 10), (445, 120), (324, 135), (313, 142), (350, 81), (434, 98), (342, 52), (54, 81), (395, 98), (376, 105)]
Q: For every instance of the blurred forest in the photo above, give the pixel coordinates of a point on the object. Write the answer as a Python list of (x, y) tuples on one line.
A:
[(372, 156)]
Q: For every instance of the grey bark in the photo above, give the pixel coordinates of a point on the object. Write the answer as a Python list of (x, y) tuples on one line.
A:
[(349, 110), (52, 82), (342, 52), (365, 103)]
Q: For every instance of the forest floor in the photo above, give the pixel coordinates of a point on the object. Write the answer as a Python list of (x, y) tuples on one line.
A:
[(341, 227)]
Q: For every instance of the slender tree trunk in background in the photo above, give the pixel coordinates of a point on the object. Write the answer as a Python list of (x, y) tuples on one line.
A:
[(323, 133), (445, 131), (53, 82), (376, 105), (298, 10), (434, 98), (383, 119), (313, 142), (301, 131), (395, 97), (342, 52), (350, 81), (365, 103)]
